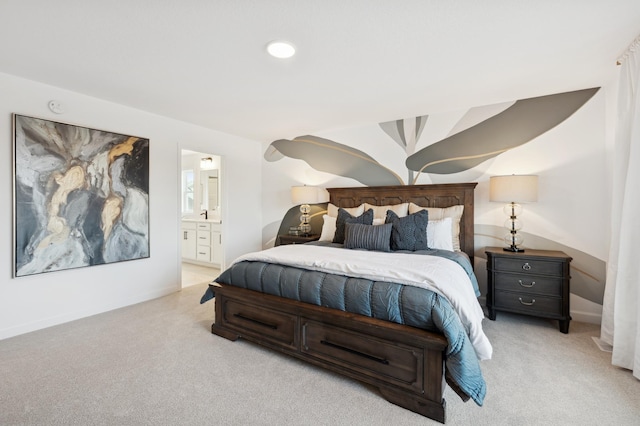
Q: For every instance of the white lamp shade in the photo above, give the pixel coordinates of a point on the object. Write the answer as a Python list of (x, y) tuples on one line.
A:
[(514, 188), (308, 195)]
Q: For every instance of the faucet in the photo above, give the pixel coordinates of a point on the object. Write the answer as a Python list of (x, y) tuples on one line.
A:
[(205, 213)]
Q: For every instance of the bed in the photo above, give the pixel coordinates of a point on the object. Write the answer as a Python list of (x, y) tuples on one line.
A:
[(409, 362)]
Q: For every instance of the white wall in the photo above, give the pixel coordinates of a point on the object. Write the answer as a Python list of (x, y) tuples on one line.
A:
[(38, 301)]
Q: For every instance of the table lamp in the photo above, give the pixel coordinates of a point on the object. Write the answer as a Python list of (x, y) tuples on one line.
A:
[(305, 195), (513, 189)]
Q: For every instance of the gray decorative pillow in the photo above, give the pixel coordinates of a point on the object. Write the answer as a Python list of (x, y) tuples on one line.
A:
[(368, 237), (409, 232), (344, 216)]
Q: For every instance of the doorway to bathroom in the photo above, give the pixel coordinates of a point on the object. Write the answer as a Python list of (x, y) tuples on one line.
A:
[(201, 217)]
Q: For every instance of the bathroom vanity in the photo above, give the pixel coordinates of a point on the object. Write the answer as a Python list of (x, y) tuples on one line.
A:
[(202, 242)]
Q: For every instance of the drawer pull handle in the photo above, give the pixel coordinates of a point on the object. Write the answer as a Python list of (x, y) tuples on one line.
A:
[(255, 321), (526, 266), (527, 303), (527, 285), (353, 351)]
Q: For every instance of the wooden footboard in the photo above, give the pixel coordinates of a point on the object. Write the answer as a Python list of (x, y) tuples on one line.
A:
[(405, 363)]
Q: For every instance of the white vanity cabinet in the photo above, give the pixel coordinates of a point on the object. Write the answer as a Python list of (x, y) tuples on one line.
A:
[(216, 244), (189, 242), (202, 242)]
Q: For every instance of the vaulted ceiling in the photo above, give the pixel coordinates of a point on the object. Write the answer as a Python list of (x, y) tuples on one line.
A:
[(358, 61)]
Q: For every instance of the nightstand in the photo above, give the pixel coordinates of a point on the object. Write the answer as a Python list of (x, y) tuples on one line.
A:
[(296, 239), (533, 282)]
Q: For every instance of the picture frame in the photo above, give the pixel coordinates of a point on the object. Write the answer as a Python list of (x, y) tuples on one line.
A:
[(80, 196)]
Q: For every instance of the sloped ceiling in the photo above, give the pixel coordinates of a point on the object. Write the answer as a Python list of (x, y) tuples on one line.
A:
[(358, 61)]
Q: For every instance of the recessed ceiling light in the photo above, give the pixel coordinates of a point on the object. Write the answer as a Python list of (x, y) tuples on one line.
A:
[(281, 49)]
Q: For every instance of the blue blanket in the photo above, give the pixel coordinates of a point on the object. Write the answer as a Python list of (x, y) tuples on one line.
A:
[(402, 304)]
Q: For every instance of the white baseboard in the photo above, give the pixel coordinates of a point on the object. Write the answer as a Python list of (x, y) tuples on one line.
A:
[(588, 317)]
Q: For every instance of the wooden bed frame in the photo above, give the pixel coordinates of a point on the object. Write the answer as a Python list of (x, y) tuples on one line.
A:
[(405, 363)]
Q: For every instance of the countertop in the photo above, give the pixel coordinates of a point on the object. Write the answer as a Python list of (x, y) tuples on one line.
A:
[(202, 220)]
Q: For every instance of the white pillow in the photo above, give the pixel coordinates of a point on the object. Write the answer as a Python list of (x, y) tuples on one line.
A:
[(332, 210), (328, 228), (439, 235), (380, 212), (437, 213)]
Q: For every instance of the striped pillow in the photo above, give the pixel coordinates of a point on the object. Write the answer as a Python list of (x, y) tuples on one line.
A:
[(368, 237), (344, 216)]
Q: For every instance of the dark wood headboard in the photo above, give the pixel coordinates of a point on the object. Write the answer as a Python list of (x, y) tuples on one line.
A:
[(438, 195)]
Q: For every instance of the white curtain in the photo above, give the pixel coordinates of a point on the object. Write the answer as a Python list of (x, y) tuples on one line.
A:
[(621, 307)]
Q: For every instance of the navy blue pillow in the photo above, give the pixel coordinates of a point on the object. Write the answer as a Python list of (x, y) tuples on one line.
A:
[(344, 216), (409, 232)]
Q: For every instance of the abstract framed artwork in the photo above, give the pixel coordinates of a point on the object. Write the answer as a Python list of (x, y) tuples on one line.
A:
[(80, 196)]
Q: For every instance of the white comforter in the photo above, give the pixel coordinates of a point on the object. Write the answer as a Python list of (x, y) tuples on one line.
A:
[(435, 273)]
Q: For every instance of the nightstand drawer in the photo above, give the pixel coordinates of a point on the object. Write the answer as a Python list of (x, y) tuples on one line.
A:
[(529, 266), (529, 284), (528, 304)]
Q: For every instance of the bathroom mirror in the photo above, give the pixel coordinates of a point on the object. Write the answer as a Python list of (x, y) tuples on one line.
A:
[(209, 185)]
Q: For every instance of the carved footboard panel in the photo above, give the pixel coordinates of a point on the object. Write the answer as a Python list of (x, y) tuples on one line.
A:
[(405, 363)]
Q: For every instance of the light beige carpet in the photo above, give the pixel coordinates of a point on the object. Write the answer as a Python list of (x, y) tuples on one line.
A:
[(156, 363)]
